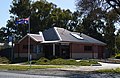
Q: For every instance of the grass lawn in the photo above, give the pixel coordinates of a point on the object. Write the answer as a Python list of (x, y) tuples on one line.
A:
[(23, 68), (44, 63), (117, 70)]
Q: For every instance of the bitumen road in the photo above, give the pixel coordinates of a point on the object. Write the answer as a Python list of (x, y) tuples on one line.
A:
[(16, 75), (55, 74), (73, 72)]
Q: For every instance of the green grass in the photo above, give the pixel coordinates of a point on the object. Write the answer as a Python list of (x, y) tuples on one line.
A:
[(117, 70), (23, 68)]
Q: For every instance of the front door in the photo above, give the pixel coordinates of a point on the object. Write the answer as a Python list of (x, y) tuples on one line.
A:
[(65, 51)]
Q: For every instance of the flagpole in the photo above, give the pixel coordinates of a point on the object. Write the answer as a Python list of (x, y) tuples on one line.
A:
[(29, 55)]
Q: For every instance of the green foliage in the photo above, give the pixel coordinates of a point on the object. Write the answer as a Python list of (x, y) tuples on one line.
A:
[(3, 35), (106, 71), (118, 42), (84, 63), (24, 68), (4, 60), (71, 62), (115, 6), (117, 51), (33, 62), (99, 22), (43, 61), (117, 70), (42, 14), (117, 56), (60, 61), (93, 61), (87, 62)]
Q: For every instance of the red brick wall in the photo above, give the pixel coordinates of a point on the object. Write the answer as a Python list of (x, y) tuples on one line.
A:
[(79, 48), (25, 42)]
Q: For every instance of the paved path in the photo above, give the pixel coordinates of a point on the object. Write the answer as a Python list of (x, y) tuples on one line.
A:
[(93, 68)]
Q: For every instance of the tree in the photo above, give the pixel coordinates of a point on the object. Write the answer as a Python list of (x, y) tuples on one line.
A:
[(115, 4), (3, 34), (98, 20), (42, 15), (92, 18), (111, 18), (118, 42), (19, 9)]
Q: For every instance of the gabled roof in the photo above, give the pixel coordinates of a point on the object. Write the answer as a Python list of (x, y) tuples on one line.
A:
[(64, 35), (35, 37)]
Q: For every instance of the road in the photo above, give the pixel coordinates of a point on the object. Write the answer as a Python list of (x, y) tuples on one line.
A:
[(15, 75), (73, 72), (56, 74)]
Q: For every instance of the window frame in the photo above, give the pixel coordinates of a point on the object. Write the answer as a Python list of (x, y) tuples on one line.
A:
[(88, 48)]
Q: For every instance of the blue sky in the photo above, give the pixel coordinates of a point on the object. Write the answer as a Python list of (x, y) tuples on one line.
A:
[(64, 4), (5, 6), (4, 11)]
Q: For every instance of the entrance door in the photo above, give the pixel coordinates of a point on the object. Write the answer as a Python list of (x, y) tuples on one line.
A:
[(65, 51)]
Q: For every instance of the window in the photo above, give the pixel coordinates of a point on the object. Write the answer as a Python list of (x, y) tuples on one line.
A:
[(87, 48), (37, 48)]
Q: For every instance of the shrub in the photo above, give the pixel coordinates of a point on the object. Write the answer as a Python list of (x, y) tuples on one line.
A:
[(117, 56), (93, 61), (70, 62), (4, 60), (84, 63), (58, 61), (43, 61), (33, 62)]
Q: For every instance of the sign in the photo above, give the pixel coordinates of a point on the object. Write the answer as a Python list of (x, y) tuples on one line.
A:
[(10, 38), (64, 43)]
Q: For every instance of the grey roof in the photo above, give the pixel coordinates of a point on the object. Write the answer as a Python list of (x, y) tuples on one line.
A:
[(64, 35), (50, 35), (35, 37)]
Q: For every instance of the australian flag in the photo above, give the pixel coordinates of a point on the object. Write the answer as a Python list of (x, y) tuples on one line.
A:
[(22, 21)]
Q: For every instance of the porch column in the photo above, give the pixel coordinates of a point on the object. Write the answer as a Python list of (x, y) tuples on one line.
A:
[(70, 50), (37, 48), (53, 49)]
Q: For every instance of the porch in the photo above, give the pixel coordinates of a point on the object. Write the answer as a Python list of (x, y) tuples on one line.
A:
[(61, 50)]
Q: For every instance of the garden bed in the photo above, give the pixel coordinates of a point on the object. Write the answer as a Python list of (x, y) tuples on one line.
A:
[(60, 61)]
